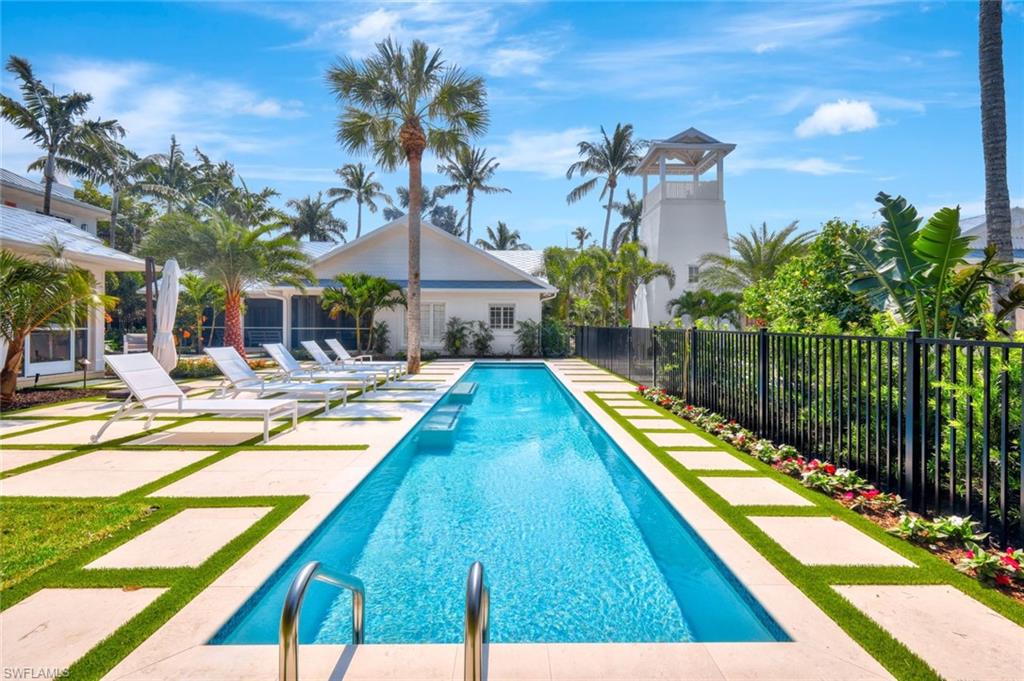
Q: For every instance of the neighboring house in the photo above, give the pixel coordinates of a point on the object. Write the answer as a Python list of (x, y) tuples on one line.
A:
[(20, 192), (975, 228), (457, 280), (55, 350)]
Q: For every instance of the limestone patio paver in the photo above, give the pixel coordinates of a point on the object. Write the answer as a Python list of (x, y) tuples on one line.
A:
[(52, 628), (9, 427), (265, 472), (16, 458), (211, 432), (79, 433), (99, 474), (77, 409), (834, 542), (639, 410), (710, 460), (684, 439), (955, 634), (755, 492), (186, 539), (646, 424)]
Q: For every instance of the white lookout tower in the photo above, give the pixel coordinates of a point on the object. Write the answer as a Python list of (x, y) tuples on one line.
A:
[(683, 217)]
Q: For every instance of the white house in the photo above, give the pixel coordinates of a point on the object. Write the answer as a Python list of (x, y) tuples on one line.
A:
[(21, 192), (55, 350), (498, 288), (682, 218)]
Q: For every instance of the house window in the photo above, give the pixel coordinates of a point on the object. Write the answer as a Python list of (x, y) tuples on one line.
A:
[(432, 321), (693, 275), (502, 317)]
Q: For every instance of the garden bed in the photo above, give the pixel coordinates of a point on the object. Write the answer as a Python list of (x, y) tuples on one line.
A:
[(38, 397)]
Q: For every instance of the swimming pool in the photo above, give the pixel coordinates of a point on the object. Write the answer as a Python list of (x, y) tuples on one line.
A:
[(578, 546)]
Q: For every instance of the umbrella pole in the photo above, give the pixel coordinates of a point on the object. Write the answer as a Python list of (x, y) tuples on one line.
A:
[(150, 322)]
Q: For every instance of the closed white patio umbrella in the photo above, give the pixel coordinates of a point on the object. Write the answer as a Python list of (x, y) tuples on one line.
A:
[(166, 310), (641, 317)]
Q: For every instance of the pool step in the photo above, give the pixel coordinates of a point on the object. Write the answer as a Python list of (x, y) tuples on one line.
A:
[(439, 428), (463, 393)]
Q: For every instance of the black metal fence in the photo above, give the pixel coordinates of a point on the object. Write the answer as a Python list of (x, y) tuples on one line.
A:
[(937, 420)]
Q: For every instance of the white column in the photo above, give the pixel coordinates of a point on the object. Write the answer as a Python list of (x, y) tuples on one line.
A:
[(696, 179), (661, 176), (97, 326), (645, 189), (286, 321), (720, 177)]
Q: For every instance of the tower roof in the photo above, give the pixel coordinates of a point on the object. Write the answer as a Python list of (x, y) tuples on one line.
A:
[(685, 153)]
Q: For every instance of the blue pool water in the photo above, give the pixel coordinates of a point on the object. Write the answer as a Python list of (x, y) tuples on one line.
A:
[(576, 543)]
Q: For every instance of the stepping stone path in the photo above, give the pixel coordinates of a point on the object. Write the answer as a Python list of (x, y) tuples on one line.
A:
[(16, 458), (657, 424), (186, 539), (683, 439), (218, 433), (835, 542), (710, 460), (754, 492)]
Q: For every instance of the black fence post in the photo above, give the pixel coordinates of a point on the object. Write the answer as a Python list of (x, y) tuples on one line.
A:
[(654, 357), (692, 368), (762, 380), (629, 353), (910, 486)]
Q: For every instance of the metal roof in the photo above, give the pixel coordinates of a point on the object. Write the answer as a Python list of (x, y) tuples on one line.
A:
[(32, 232), (59, 193), (468, 284), (529, 261)]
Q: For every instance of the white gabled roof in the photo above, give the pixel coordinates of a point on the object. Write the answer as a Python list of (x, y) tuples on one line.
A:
[(59, 193), (23, 230), (319, 254), (528, 260)]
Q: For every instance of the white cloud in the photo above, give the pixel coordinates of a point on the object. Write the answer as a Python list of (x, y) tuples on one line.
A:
[(544, 153), (835, 118), (506, 61), (810, 166)]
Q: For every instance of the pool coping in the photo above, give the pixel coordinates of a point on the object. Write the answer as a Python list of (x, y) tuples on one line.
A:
[(818, 649)]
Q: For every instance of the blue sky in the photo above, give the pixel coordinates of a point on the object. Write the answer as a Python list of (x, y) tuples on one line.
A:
[(828, 103)]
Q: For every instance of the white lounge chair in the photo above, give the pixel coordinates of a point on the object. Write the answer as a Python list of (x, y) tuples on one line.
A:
[(290, 369), (348, 360), (152, 391), (327, 364), (239, 377)]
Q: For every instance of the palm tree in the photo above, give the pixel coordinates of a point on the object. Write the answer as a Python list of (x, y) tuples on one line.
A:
[(38, 293), (706, 304), (608, 158), (398, 105), (758, 256), (469, 170), (233, 254), (197, 294), (993, 133), (174, 175), (581, 234), (251, 208), (632, 270), (504, 239), (52, 122), (313, 219), (110, 162), (569, 271), (358, 184), (629, 229), (361, 296)]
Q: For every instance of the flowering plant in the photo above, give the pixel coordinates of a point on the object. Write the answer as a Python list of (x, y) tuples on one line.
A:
[(944, 528), (1002, 568)]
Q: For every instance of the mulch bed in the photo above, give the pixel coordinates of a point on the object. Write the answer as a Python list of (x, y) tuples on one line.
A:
[(36, 397)]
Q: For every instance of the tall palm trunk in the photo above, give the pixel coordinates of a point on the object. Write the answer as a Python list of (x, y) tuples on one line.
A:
[(608, 215), (469, 214), (993, 132), (414, 142), (233, 321), (11, 368), (359, 217), (49, 173), (115, 205)]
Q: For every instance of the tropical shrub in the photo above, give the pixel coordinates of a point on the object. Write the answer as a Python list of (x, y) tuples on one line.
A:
[(482, 337), (993, 567), (361, 296), (456, 336), (528, 337), (380, 335), (944, 528), (554, 338)]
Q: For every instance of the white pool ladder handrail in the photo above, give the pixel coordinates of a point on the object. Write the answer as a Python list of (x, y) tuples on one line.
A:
[(288, 646), (478, 602)]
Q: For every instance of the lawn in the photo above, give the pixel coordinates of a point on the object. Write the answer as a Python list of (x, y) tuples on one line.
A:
[(36, 533)]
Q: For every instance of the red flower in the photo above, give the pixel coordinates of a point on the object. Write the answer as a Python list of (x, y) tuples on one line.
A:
[(970, 554), (641, 388), (1003, 580), (1007, 560), (870, 493), (848, 496), (830, 469)]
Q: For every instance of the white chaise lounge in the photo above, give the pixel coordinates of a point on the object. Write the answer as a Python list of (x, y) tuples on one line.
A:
[(239, 377), (290, 369), (327, 364), (152, 391), (346, 359)]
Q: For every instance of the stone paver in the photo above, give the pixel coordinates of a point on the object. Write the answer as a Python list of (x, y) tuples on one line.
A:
[(16, 458), (79, 433), (754, 492), (215, 433), (677, 440), (825, 541), (710, 460), (638, 410), (77, 409), (659, 423), (52, 628), (267, 472), (186, 539), (605, 394), (10, 426), (955, 634), (99, 474)]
